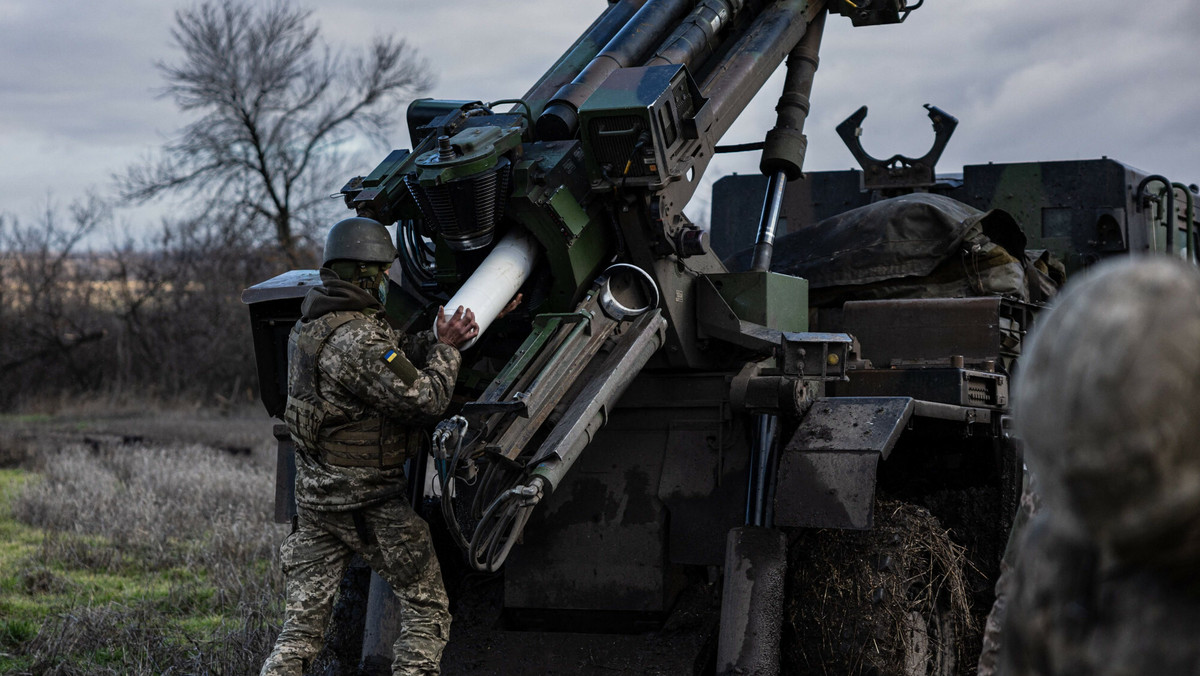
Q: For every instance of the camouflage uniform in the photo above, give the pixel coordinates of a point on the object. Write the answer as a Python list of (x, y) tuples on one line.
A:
[(1106, 402), (1074, 611), (355, 401), (993, 631)]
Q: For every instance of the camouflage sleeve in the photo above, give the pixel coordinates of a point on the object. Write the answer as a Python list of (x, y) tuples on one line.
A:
[(371, 364), (418, 345)]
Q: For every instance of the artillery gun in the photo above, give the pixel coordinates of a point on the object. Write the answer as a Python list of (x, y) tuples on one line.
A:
[(652, 417)]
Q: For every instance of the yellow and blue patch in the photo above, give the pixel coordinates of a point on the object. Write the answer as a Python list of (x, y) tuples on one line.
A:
[(397, 363)]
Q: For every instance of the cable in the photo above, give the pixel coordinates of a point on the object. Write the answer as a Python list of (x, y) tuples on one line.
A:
[(502, 525), (441, 435)]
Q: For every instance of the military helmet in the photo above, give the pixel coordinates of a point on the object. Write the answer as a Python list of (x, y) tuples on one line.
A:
[(1106, 403), (359, 239)]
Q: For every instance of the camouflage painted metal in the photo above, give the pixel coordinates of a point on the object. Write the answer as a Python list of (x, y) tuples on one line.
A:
[(773, 300), (632, 43), (640, 128)]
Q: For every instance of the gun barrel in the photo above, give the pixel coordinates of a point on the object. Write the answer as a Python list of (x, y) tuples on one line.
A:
[(560, 121), (733, 82), (581, 53)]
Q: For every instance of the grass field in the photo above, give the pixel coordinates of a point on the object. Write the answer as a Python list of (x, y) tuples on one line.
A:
[(136, 553)]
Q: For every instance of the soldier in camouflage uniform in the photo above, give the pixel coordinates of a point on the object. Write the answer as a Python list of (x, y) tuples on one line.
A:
[(356, 401), (1107, 403), (1028, 508)]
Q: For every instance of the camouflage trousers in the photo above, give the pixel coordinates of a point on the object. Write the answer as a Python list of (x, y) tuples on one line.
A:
[(395, 542), (1029, 506)]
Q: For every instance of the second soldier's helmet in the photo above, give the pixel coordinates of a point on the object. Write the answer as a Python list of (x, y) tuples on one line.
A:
[(1106, 402), (359, 239)]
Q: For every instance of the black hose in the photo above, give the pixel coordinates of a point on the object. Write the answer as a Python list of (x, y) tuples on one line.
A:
[(740, 147)]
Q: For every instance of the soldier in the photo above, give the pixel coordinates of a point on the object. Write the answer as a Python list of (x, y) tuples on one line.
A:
[(1107, 404), (356, 401)]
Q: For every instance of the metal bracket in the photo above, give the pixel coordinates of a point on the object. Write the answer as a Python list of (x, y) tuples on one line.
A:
[(873, 12), (898, 171), (826, 476)]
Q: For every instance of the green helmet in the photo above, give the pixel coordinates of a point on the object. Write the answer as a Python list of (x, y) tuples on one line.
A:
[(359, 239)]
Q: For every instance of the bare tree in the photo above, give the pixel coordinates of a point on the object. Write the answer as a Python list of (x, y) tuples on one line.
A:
[(157, 316), (47, 304), (180, 327), (277, 106)]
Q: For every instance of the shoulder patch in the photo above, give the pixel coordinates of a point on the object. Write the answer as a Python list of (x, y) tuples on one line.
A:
[(401, 366)]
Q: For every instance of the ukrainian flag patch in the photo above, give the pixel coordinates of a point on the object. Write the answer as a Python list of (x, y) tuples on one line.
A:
[(400, 365)]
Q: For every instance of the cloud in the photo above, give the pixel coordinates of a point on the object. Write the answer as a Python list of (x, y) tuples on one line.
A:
[(1028, 81)]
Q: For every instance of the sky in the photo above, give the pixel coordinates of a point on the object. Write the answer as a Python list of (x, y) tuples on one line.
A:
[(1027, 80)]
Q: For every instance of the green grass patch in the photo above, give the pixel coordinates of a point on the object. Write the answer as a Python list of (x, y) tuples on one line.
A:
[(11, 482), (13, 664), (109, 602), (15, 631), (203, 625)]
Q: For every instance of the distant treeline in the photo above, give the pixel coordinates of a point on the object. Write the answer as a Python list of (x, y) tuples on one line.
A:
[(159, 319)]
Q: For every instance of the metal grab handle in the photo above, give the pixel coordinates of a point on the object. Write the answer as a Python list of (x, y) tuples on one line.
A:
[(1189, 231), (1140, 195)]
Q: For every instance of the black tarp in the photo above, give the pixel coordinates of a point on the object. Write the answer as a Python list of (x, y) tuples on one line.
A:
[(921, 245)]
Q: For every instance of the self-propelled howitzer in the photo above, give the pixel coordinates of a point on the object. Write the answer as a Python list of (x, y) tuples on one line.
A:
[(626, 423)]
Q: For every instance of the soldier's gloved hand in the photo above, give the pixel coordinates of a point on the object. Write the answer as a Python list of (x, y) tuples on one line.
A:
[(457, 329)]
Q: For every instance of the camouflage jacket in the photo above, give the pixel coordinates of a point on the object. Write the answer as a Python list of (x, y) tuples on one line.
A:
[(365, 371), (1074, 610)]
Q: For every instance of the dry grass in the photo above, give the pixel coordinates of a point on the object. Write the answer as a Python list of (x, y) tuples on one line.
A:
[(137, 559), (892, 600)]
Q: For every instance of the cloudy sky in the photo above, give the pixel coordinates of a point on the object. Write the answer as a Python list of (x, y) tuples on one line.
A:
[(1028, 80)]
